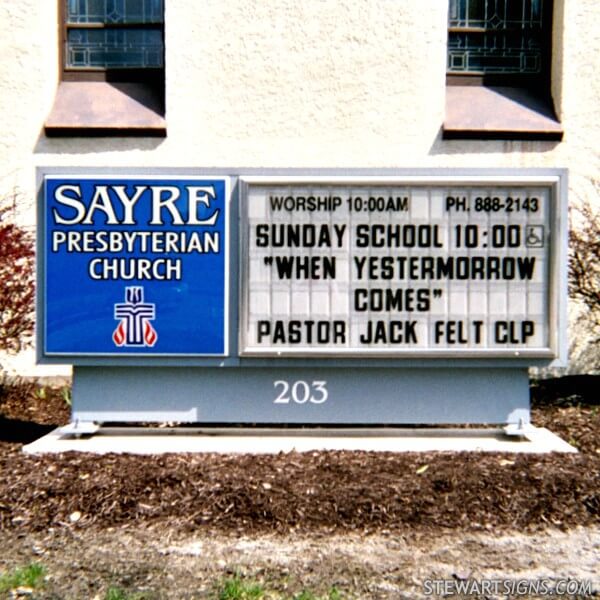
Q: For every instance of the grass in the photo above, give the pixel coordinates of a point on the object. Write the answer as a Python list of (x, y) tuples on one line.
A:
[(236, 588), (233, 588), (30, 576), (333, 594), (114, 593), (66, 395)]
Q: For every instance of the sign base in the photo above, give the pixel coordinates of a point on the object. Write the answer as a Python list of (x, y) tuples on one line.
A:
[(301, 396), (242, 440)]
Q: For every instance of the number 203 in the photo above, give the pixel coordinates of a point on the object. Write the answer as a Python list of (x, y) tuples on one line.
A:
[(301, 392)]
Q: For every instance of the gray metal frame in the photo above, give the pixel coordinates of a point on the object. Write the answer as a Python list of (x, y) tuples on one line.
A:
[(556, 178)]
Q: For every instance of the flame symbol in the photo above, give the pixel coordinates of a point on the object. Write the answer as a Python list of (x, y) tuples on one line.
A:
[(119, 334), (133, 295), (150, 335)]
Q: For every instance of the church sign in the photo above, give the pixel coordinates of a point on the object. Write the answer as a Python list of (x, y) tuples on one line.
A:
[(325, 297)]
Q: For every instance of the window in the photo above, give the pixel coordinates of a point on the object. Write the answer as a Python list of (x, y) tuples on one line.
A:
[(504, 47), (499, 37), (114, 34), (112, 65)]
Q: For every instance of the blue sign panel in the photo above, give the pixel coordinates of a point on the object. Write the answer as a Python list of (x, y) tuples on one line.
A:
[(135, 266)]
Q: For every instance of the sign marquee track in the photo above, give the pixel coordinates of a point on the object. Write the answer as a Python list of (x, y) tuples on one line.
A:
[(399, 266)]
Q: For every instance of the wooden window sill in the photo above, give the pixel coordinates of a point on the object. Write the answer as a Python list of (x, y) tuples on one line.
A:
[(101, 108), (479, 112)]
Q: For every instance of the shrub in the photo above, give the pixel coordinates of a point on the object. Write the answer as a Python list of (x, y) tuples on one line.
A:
[(584, 282), (584, 263), (17, 287)]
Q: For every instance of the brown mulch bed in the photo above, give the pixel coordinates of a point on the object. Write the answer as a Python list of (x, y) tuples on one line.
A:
[(325, 491)]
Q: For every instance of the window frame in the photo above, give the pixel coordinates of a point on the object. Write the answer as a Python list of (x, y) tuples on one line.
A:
[(504, 106), (106, 101)]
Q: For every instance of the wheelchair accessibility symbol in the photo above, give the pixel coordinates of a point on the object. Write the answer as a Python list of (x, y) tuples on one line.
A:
[(534, 236)]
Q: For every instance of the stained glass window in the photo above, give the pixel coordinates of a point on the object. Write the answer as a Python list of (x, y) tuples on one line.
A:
[(114, 34), (496, 36)]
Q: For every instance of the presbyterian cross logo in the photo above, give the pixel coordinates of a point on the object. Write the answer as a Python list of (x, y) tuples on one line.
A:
[(134, 329)]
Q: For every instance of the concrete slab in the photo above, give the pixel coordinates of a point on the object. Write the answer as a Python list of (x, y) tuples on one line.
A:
[(269, 441)]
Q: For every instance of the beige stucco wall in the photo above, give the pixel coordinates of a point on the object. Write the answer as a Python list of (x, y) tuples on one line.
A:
[(282, 83)]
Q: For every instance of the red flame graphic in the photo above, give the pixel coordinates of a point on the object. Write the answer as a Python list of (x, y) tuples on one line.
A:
[(119, 334), (150, 335)]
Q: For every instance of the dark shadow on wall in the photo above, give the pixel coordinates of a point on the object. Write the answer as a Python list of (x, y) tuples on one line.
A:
[(497, 118), (92, 144), (441, 146)]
